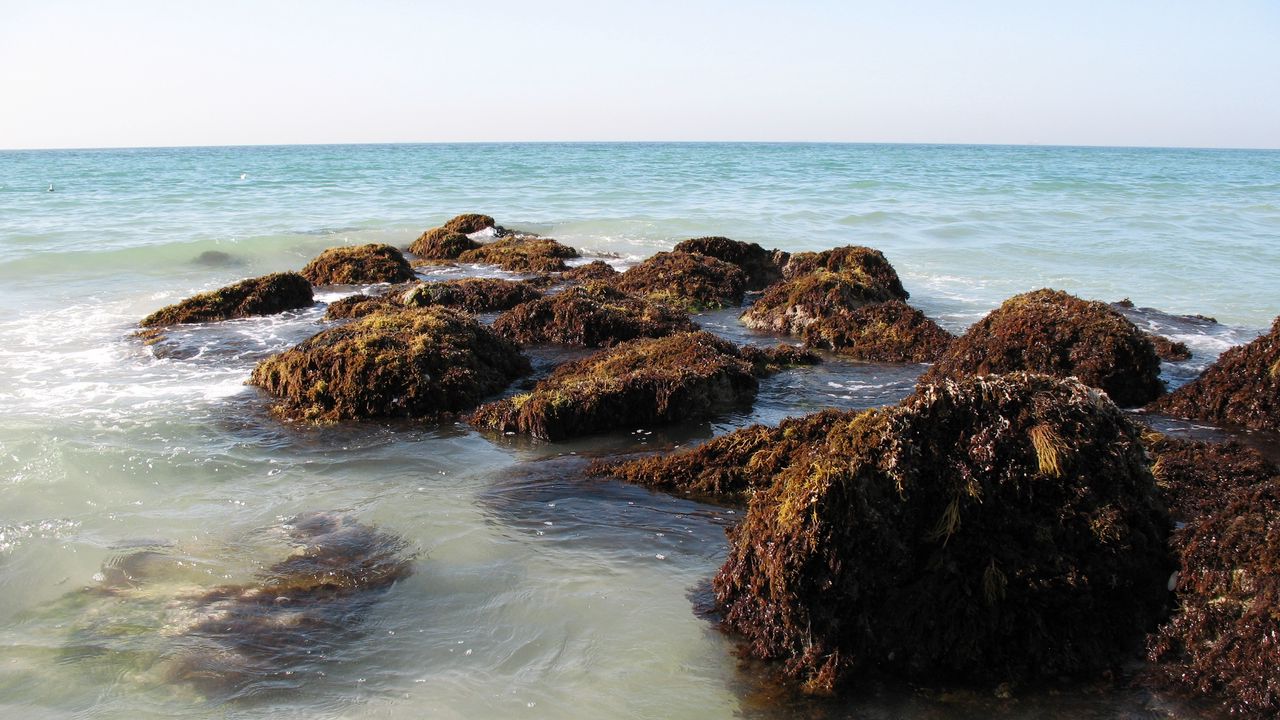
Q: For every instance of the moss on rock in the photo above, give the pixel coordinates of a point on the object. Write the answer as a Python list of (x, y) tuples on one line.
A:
[(425, 362), (520, 253), (1241, 388), (688, 280), (592, 315), (638, 383), (359, 265), (266, 295), (442, 244), (1052, 332), (882, 332), (468, 223), (992, 529), (762, 267)]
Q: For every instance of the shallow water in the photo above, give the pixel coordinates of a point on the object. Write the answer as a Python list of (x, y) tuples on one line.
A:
[(535, 591)]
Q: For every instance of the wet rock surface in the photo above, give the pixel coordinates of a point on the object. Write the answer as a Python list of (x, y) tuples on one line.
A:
[(472, 294), (359, 265), (1241, 388), (423, 363), (468, 223), (686, 280), (591, 315), (997, 529), (594, 270), (882, 332), (762, 267), (442, 244), (266, 295), (1055, 333)]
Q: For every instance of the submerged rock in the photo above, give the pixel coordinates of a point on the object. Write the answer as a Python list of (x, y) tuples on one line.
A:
[(424, 362), (686, 280), (442, 244), (638, 383), (1199, 478), (994, 529), (762, 267), (1241, 388), (359, 265), (468, 223), (1052, 332), (1222, 639), (266, 295), (520, 253), (881, 332), (592, 315)]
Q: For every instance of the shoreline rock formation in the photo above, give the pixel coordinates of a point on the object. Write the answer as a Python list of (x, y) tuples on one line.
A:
[(359, 265), (266, 295)]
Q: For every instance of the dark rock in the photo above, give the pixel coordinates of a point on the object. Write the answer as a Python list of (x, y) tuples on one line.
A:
[(521, 253), (442, 244), (762, 267), (472, 294), (468, 223), (882, 332), (359, 265), (1052, 332), (639, 383), (1170, 350), (266, 295), (687, 280), (767, 361), (1197, 479), (1241, 388), (591, 315), (594, 270), (425, 362), (792, 305), (997, 529)]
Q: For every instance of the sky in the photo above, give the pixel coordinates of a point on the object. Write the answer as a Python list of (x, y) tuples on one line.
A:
[(141, 73)]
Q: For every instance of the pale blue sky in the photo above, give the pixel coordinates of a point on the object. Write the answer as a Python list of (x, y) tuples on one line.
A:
[(142, 73)]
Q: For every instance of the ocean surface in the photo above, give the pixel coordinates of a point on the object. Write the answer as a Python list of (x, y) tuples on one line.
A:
[(535, 592)]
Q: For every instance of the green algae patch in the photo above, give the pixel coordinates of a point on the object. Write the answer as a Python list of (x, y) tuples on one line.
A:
[(422, 363), (990, 530), (1055, 333), (638, 383), (266, 295), (521, 253), (882, 332), (441, 244), (1241, 388), (468, 223), (762, 267), (686, 280), (359, 265), (591, 315)]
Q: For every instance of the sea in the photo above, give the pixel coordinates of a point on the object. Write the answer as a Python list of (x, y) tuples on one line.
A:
[(536, 591)]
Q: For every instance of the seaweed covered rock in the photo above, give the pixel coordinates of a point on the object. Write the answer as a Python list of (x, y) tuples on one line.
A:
[(520, 253), (266, 295), (591, 315), (762, 267), (1170, 350), (882, 332), (994, 529), (1197, 478), (863, 265), (359, 265), (594, 270), (442, 244), (771, 360), (729, 468), (689, 280), (468, 223), (1222, 639), (1055, 333), (1241, 388), (793, 305), (423, 362), (472, 294), (638, 383)]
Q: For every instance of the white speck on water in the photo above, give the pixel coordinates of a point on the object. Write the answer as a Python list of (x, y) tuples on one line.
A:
[(661, 556)]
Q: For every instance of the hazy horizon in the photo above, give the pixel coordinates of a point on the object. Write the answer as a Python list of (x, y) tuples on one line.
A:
[(150, 74)]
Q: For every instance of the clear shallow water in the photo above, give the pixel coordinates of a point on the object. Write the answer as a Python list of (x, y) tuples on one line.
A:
[(552, 581)]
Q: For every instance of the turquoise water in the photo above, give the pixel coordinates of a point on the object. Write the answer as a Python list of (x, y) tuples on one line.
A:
[(536, 592)]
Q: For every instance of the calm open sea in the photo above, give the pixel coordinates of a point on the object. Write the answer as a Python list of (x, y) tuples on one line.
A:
[(536, 592)]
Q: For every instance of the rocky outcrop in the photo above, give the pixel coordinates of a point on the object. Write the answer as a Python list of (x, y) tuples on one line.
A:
[(441, 244), (468, 223), (594, 270), (881, 332), (862, 265), (423, 363), (591, 315), (1054, 333), (762, 267), (1199, 478), (520, 253), (266, 295), (359, 265), (686, 280)]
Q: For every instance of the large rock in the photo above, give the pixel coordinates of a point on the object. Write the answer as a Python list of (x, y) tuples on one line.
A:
[(1199, 478), (639, 383), (592, 315), (863, 265), (762, 267), (266, 295), (426, 362), (882, 332), (521, 253), (442, 244), (688, 280), (475, 295), (1223, 640), (594, 270), (792, 305), (994, 529), (359, 265), (1241, 388), (1052, 332), (468, 223)]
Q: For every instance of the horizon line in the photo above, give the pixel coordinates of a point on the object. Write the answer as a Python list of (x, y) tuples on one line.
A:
[(635, 142)]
